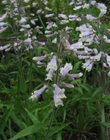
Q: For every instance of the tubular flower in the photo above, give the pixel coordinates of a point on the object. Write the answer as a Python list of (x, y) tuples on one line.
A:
[(90, 17), (57, 101), (86, 5), (59, 92), (2, 29), (4, 47), (85, 65), (3, 16), (68, 85), (52, 64), (74, 46), (37, 93), (39, 58), (62, 16), (66, 69), (49, 15), (98, 56), (83, 57), (77, 75), (27, 41), (77, 7), (108, 59), (23, 19), (89, 67), (50, 74), (25, 26), (109, 73)]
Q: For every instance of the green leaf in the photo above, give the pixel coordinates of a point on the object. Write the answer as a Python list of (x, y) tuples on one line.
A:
[(32, 117), (5, 118), (16, 120), (29, 130), (106, 124), (6, 103), (79, 89), (86, 87), (57, 129), (96, 92), (47, 114), (76, 66), (59, 136), (2, 67)]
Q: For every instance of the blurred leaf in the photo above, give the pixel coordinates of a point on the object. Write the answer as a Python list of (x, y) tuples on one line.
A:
[(86, 87), (32, 117), (59, 136), (47, 114), (97, 91), (106, 124), (16, 120), (56, 129), (6, 103), (29, 130), (4, 118), (76, 66), (2, 67)]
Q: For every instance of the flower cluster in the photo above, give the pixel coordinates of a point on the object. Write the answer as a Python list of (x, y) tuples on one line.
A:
[(58, 31), (52, 66)]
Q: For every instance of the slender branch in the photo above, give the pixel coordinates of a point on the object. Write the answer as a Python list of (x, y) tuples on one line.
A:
[(52, 115)]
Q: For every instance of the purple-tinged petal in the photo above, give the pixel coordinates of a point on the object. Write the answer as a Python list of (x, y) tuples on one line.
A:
[(64, 70), (39, 58), (88, 68), (52, 64), (77, 75), (57, 101), (50, 74), (68, 85), (59, 91), (37, 93)]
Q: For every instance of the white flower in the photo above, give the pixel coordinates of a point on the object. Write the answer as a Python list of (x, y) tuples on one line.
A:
[(66, 69), (55, 40), (109, 73), (39, 11), (86, 5), (77, 7), (59, 91), (80, 74), (52, 64), (34, 4), (93, 2), (49, 15), (33, 22), (26, 1), (23, 19), (46, 8), (57, 101), (62, 16), (50, 74)]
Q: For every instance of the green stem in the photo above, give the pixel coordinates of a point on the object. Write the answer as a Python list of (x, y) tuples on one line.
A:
[(41, 21), (103, 120), (53, 112), (31, 55)]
